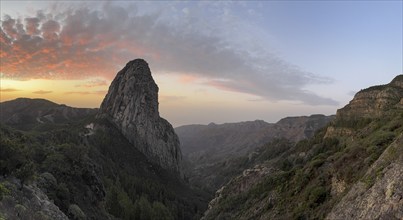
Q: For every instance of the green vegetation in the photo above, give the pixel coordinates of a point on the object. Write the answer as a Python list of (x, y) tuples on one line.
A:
[(228, 169), (3, 191), (354, 123), (78, 172), (300, 185)]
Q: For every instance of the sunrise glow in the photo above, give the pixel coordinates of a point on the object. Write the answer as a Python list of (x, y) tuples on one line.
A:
[(213, 61)]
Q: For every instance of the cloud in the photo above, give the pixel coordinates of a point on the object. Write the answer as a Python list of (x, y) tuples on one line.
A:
[(171, 98), (101, 92), (9, 90), (42, 92), (187, 79), (82, 43), (93, 83)]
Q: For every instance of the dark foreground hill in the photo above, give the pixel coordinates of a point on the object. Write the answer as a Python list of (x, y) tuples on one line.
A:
[(351, 169), (40, 114), (121, 162)]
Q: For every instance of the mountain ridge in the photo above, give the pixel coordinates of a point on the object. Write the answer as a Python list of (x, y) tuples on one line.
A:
[(213, 153), (351, 169), (26, 113)]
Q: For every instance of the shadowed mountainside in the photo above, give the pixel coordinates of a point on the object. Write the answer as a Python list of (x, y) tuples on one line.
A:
[(26, 114), (215, 153)]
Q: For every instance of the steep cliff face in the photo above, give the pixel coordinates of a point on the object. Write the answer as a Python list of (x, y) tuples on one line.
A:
[(368, 104), (301, 127), (131, 104), (372, 102), (381, 195)]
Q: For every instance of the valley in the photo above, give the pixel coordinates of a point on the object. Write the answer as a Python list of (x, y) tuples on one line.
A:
[(123, 161)]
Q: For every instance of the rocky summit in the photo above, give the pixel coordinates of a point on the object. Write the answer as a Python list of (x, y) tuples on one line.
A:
[(372, 102), (131, 104)]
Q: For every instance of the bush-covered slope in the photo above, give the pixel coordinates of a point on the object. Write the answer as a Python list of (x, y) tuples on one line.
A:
[(40, 114), (216, 153), (349, 170), (94, 173)]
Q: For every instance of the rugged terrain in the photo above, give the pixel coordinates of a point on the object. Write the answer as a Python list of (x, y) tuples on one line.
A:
[(214, 142), (215, 153), (351, 169), (121, 162)]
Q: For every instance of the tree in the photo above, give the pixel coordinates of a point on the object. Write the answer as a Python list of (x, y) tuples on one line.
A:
[(25, 172), (112, 202), (161, 212), (145, 208)]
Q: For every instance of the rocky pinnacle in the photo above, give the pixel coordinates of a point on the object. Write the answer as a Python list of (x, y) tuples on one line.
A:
[(131, 104)]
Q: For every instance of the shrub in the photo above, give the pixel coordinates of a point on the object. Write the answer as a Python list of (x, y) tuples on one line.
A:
[(161, 212), (330, 142), (369, 180), (317, 162), (76, 213), (355, 123), (3, 191), (317, 195), (25, 172), (383, 138)]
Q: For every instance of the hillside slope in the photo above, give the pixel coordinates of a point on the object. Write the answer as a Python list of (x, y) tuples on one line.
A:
[(349, 170), (213, 142), (40, 114), (215, 153)]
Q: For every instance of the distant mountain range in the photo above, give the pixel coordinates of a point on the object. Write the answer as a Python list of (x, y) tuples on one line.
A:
[(206, 147), (213, 141)]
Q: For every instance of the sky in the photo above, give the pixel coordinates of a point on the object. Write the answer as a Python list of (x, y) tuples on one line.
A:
[(214, 61)]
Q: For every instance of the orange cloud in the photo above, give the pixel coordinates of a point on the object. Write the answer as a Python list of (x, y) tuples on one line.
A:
[(187, 79), (68, 48), (83, 43), (42, 92), (9, 90), (102, 92), (93, 83)]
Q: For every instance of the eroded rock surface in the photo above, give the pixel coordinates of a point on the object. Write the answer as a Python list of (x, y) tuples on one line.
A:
[(131, 104)]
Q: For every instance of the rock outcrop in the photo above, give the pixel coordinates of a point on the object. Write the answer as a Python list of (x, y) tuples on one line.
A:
[(131, 104), (28, 203), (372, 102), (383, 199), (368, 104)]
